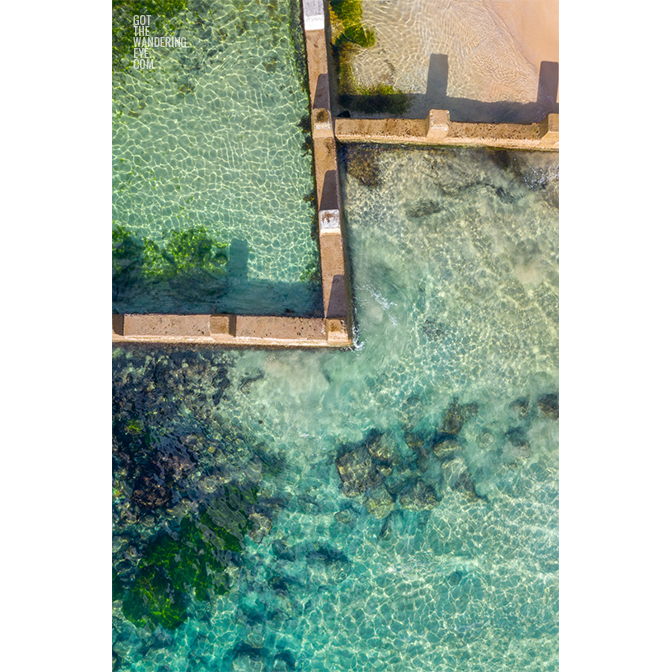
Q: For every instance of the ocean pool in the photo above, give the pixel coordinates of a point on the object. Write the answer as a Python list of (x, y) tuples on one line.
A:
[(440, 426), (213, 187)]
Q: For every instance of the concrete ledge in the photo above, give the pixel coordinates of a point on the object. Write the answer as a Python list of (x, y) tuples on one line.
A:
[(313, 14), (406, 129), (334, 287), (223, 325), (549, 130), (118, 324), (166, 325), (330, 221), (322, 123), (318, 72), (436, 126), (232, 330), (337, 332), (280, 328), (437, 129)]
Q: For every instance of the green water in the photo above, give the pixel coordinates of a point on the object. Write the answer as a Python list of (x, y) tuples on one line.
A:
[(455, 281), (212, 141)]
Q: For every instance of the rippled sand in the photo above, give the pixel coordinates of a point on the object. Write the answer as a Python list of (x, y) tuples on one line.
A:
[(494, 50)]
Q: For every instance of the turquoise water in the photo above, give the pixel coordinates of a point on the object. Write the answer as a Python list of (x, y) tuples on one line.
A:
[(212, 141), (440, 426)]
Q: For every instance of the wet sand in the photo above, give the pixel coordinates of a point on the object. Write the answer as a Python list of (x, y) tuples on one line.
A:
[(481, 59)]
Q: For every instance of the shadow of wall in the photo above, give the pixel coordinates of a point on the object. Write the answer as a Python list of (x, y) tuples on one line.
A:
[(477, 111), (233, 292)]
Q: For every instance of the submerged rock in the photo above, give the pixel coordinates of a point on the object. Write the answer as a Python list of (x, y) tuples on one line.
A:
[(358, 472), (424, 461), (455, 578), (447, 449), (517, 436), (345, 516), (283, 551), (118, 542), (413, 441), (485, 439), (457, 475), (456, 415), (285, 660), (385, 470), (393, 526), (379, 503), (395, 482), (326, 564), (423, 208), (248, 662), (411, 410), (418, 496), (362, 164), (549, 405), (308, 505), (434, 330), (256, 637), (211, 483), (504, 195), (383, 449), (513, 456), (261, 526), (521, 407), (326, 554), (150, 492)]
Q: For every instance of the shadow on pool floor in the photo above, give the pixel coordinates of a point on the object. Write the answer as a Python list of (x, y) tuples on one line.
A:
[(232, 291)]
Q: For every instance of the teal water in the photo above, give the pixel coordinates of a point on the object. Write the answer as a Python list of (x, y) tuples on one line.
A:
[(389, 507), (212, 144)]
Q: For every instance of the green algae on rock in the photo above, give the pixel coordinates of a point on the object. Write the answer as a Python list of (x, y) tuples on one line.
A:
[(172, 567), (362, 164), (188, 257), (349, 35), (186, 251), (377, 99), (346, 24)]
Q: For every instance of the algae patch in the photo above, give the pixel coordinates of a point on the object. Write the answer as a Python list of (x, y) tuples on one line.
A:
[(349, 35)]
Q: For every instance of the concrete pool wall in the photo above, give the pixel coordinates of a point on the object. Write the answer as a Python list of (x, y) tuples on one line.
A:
[(334, 328), (437, 129)]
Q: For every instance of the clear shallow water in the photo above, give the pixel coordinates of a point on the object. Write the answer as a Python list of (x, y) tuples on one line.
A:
[(210, 139), (462, 56), (455, 283)]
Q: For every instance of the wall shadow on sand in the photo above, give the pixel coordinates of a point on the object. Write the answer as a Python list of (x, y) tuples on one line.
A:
[(477, 111)]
